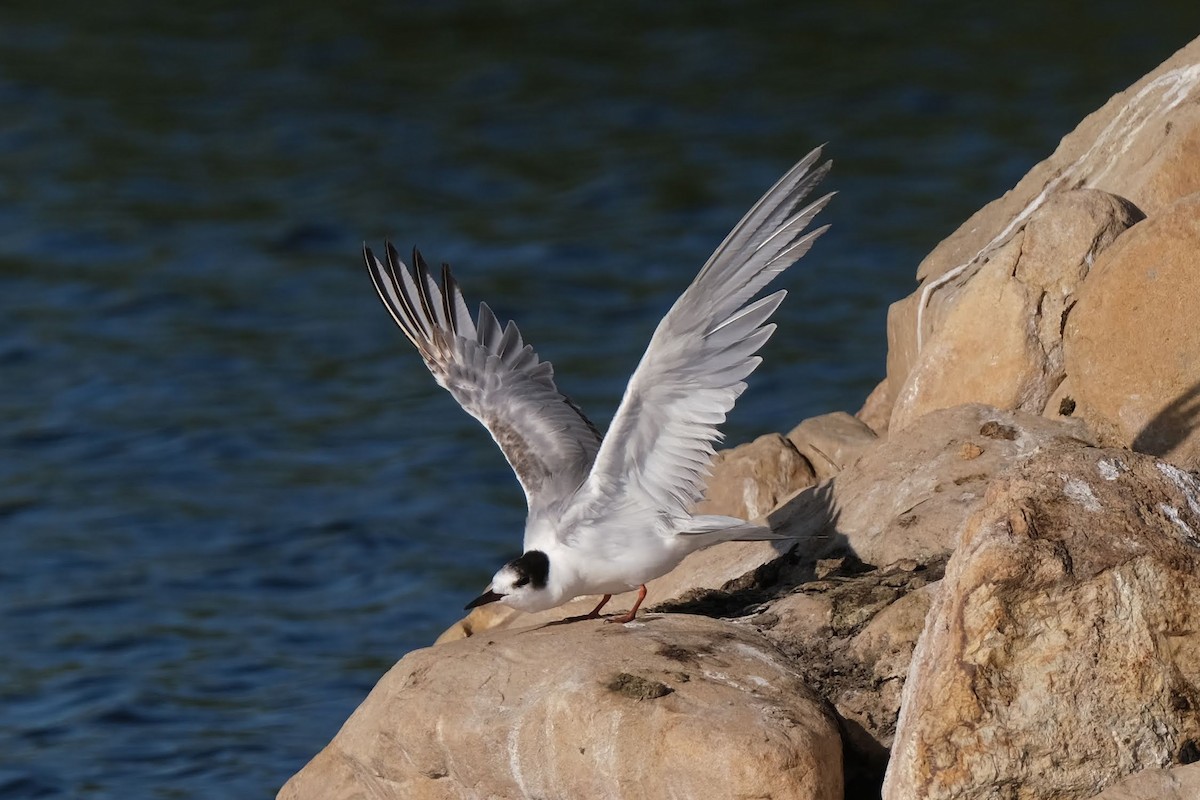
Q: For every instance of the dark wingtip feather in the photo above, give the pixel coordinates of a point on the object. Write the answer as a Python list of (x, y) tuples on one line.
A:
[(401, 279), (393, 257), (448, 290), (422, 279)]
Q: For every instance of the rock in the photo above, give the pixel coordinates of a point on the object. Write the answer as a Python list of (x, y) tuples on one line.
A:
[(876, 411), (1180, 783), (851, 636), (1062, 649), (1133, 343), (994, 335), (831, 442), (908, 497), (880, 654), (747, 482), (675, 707), (886, 643), (1140, 146)]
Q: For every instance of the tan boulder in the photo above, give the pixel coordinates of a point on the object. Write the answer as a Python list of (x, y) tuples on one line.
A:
[(1180, 783), (747, 482), (676, 706), (1133, 339), (1062, 649), (994, 335), (832, 442), (907, 497), (1143, 145), (1140, 145), (876, 411)]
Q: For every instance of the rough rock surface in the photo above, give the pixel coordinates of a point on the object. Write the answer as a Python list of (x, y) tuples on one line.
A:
[(1062, 651), (676, 706), (876, 411), (748, 481), (885, 647), (1180, 783), (831, 442), (1133, 342), (908, 497), (1143, 146), (851, 635), (994, 334)]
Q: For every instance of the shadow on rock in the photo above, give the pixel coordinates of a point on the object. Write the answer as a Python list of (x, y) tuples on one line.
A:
[(1171, 426), (796, 564)]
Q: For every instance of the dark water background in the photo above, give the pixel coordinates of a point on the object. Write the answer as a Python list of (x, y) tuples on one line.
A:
[(230, 498)]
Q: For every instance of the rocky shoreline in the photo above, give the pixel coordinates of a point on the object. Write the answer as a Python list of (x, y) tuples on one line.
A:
[(994, 586)]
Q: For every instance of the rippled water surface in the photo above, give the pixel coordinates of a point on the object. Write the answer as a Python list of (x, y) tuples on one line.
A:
[(230, 498)]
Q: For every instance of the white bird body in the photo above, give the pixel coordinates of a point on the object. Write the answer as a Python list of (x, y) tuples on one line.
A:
[(607, 514)]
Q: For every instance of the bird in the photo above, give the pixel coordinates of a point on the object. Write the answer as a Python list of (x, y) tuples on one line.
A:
[(607, 513)]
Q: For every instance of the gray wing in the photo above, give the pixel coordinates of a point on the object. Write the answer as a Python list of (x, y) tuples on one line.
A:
[(493, 374), (655, 458)]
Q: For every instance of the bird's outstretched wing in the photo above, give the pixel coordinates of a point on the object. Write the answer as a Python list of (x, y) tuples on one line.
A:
[(655, 457), (493, 374)]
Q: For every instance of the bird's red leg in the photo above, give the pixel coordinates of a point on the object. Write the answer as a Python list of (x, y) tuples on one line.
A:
[(633, 611), (596, 611)]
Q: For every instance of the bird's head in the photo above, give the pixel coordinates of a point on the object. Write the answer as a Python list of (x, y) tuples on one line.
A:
[(521, 584)]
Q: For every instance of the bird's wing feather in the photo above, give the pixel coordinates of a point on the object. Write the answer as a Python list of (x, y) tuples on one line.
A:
[(493, 374), (654, 461)]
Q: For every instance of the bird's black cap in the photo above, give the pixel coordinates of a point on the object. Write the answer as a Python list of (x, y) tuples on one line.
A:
[(532, 567)]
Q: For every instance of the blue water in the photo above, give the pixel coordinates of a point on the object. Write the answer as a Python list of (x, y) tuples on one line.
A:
[(230, 497)]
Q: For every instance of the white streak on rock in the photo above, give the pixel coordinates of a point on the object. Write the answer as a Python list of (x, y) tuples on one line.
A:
[(447, 753), (721, 677), (1176, 86), (514, 755), (1186, 483), (750, 497), (1081, 493), (1110, 470), (1173, 515)]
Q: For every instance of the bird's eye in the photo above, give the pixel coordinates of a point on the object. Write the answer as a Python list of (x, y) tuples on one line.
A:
[(521, 581)]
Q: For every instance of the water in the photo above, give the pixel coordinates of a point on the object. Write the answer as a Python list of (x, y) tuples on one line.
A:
[(230, 498)]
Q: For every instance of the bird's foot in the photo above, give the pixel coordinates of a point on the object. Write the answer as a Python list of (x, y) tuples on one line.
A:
[(595, 612), (633, 611)]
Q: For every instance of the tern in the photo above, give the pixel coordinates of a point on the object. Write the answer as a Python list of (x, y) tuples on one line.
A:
[(609, 513)]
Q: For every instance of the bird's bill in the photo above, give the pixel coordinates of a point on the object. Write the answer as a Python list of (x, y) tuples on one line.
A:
[(487, 597)]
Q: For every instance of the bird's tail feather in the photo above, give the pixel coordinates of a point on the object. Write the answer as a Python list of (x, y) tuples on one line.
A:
[(715, 529)]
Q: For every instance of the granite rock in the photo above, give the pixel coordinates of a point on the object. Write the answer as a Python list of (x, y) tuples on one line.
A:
[(1133, 343), (675, 706), (1062, 650), (832, 442), (1142, 147), (908, 497)]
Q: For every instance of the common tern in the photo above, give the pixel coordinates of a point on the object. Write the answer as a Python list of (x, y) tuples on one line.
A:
[(609, 513)]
